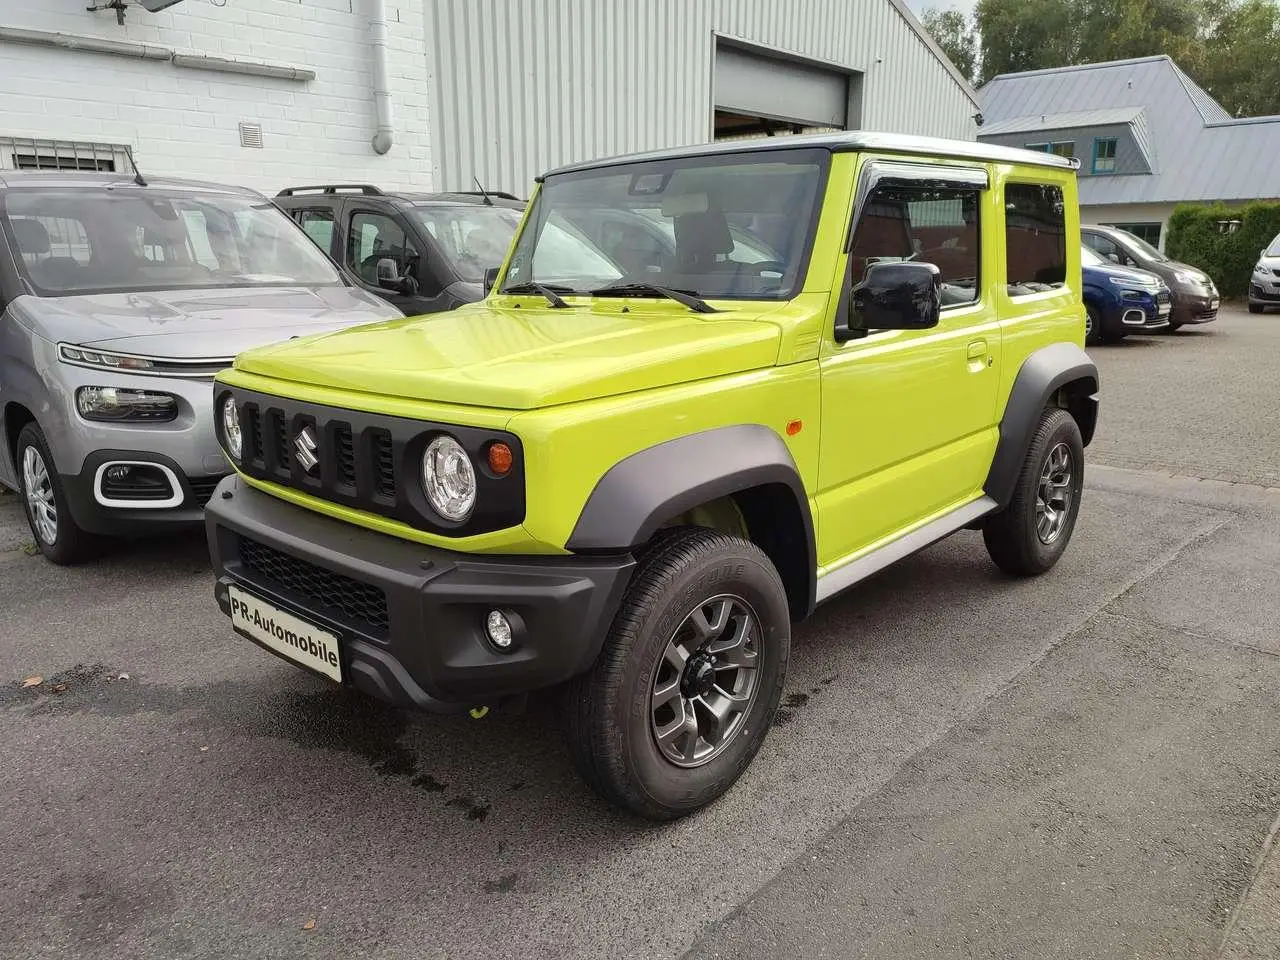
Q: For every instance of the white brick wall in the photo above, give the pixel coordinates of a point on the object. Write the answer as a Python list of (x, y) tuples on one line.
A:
[(184, 122)]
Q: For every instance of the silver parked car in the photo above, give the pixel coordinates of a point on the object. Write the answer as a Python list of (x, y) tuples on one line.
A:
[(1264, 285), (121, 298)]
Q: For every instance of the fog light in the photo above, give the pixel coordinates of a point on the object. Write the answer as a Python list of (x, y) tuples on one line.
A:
[(498, 627), (118, 472)]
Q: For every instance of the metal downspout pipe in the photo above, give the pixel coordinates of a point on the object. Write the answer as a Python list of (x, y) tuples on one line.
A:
[(385, 135)]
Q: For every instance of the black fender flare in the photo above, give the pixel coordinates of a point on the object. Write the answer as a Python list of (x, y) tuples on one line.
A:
[(1042, 375), (641, 492)]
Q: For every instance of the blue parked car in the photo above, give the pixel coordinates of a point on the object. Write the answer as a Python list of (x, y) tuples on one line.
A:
[(1121, 300)]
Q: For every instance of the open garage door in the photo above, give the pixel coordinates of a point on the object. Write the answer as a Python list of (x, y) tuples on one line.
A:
[(757, 94)]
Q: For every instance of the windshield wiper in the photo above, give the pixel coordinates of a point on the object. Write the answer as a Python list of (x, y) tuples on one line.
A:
[(550, 292), (679, 296)]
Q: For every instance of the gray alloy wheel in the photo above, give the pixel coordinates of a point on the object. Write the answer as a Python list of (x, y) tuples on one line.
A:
[(706, 681), (1054, 495), (42, 505)]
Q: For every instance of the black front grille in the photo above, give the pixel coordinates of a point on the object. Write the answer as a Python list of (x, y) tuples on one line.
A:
[(333, 594), (345, 454), (202, 488), (370, 462), (1162, 296), (136, 483)]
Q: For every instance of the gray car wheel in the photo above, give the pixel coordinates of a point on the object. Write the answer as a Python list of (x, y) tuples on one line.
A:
[(56, 532)]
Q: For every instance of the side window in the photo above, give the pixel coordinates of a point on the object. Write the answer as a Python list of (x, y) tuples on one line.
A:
[(937, 225), (374, 237), (1108, 248), (318, 224), (1035, 228)]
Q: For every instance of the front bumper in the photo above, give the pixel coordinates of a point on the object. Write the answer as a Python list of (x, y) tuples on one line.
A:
[(1139, 317), (1189, 308), (410, 618), (95, 510), (1268, 295)]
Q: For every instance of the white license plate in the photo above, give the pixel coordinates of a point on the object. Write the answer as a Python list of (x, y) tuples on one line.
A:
[(284, 633), (1213, 304), (1163, 310)]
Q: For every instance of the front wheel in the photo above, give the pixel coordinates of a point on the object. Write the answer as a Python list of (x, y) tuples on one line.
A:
[(56, 532), (1028, 536), (688, 682)]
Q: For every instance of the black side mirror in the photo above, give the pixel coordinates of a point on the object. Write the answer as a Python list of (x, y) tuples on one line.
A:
[(893, 296), (389, 275), (491, 279)]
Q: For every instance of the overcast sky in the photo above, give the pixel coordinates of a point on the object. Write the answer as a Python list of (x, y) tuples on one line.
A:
[(920, 6)]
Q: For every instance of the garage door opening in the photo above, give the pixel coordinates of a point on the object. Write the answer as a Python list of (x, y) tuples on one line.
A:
[(765, 94)]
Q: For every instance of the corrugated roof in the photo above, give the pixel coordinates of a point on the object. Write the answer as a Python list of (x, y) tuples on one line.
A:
[(1203, 153), (1042, 122)]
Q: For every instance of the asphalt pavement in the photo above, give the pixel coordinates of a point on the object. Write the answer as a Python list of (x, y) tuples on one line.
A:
[(1084, 765)]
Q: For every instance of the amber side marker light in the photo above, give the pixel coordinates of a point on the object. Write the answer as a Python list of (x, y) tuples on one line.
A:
[(794, 427), (500, 459)]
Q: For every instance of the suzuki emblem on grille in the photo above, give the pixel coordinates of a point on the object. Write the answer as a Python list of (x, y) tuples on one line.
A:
[(305, 444)]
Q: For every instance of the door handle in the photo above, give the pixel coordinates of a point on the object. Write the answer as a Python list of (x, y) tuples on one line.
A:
[(977, 349)]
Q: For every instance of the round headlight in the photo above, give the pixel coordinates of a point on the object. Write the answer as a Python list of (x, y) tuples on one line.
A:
[(449, 479), (231, 428)]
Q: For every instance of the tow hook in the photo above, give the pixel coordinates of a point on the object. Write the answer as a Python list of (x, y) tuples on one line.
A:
[(479, 713)]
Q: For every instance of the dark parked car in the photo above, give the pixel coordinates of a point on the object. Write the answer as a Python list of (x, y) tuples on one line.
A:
[(422, 252), (1119, 301), (1195, 298)]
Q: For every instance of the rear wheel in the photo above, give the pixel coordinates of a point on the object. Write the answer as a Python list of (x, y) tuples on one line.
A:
[(1031, 533), (56, 533), (688, 682)]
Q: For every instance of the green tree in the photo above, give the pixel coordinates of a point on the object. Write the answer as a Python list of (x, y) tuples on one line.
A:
[(1227, 46), (1240, 61), (1022, 35), (957, 38)]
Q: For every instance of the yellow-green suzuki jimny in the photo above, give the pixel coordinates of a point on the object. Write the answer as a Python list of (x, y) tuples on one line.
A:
[(711, 388)]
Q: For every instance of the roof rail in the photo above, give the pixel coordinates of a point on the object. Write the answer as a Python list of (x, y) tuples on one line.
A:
[(492, 193), (364, 188)]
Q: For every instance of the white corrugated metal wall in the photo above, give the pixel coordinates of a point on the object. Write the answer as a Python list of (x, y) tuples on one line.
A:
[(519, 86)]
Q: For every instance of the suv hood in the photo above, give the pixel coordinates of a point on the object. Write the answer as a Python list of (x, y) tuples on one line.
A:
[(195, 324), (521, 359)]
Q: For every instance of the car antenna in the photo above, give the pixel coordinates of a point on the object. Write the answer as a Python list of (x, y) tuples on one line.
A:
[(137, 174), (487, 201)]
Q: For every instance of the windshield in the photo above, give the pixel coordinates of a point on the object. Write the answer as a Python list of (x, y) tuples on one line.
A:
[(472, 238), (75, 241), (1090, 258), (1135, 242), (728, 227), (1274, 249)]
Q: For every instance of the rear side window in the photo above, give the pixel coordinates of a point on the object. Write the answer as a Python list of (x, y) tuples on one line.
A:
[(924, 223), (1035, 227)]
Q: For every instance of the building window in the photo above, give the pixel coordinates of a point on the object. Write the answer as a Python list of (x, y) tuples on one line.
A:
[(1104, 155), (23, 153), (1062, 148), (1149, 232), (1035, 227)]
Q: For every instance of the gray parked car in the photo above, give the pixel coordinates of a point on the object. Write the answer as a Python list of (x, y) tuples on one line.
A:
[(1264, 285), (121, 298)]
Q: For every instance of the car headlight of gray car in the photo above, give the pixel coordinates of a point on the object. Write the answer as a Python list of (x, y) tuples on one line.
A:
[(122, 405), (232, 435)]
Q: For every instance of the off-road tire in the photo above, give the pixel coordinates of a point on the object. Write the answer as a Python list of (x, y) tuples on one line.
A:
[(71, 544), (1011, 535), (609, 709)]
